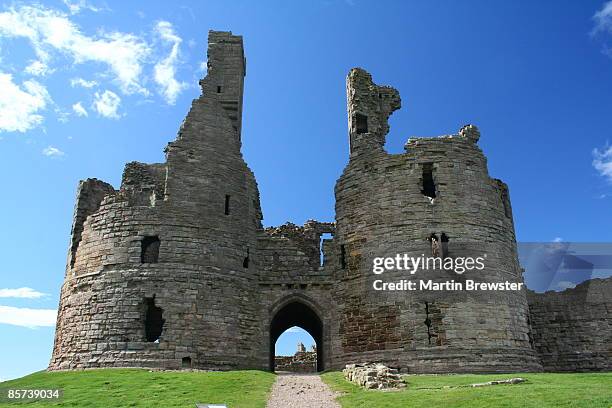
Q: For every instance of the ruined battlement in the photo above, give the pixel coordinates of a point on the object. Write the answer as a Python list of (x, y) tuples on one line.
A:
[(175, 269)]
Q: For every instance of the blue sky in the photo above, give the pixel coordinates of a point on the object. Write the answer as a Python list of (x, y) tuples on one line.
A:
[(87, 86)]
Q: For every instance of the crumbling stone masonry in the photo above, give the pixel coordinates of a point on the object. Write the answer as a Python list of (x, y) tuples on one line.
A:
[(373, 376), (174, 269)]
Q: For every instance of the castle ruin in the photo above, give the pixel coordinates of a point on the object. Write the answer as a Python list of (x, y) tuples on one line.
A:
[(175, 270)]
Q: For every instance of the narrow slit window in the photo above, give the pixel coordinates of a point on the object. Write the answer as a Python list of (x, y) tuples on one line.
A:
[(154, 322), (361, 123), (227, 204), (342, 256), (245, 263), (149, 252), (218, 89), (429, 187)]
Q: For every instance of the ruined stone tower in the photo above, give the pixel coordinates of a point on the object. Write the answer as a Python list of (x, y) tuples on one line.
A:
[(174, 269)]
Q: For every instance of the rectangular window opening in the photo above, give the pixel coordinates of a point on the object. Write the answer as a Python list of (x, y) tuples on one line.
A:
[(218, 89), (149, 251), (361, 123), (429, 187)]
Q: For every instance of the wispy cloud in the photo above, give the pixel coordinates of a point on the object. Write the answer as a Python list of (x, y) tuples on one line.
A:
[(74, 82), (603, 19), (25, 292), (107, 104), (294, 329), (51, 151), (76, 6), (51, 31), (25, 317), (20, 106), (602, 162), (79, 110), (165, 70)]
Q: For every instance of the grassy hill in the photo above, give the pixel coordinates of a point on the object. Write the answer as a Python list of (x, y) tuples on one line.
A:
[(249, 389), (142, 388), (576, 390)]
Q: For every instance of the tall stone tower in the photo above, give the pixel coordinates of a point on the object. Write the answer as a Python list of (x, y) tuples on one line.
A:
[(159, 272), (389, 204)]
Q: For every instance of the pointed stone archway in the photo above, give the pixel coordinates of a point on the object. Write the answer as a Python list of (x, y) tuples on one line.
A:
[(297, 311)]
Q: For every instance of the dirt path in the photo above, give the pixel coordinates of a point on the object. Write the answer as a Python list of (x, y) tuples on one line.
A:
[(301, 391)]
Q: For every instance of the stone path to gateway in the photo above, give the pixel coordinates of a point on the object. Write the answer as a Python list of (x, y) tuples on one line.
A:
[(301, 391)]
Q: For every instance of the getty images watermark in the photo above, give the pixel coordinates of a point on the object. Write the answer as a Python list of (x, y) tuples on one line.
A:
[(459, 265)]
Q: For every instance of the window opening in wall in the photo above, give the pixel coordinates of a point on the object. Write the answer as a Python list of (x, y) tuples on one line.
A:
[(218, 89), (154, 321), (149, 249), (342, 256), (361, 123), (227, 204), (323, 237), (429, 187), (245, 263)]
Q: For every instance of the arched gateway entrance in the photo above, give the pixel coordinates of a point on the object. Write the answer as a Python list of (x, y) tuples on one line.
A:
[(301, 313)]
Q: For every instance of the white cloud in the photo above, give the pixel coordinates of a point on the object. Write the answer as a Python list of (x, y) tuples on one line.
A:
[(558, 239), (602, 161), (19, 106), (27, 293), (165, 70), (294, 329), (75, 6), (49, 30), (603, 18), (74, 82), (24, 317), (565, 285), (51, 151), (79, 110), (107, 104), (38, 68)]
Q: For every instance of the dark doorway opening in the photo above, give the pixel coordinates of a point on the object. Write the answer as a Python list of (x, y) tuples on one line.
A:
[(186, 362), (301, 315), (154, 322)]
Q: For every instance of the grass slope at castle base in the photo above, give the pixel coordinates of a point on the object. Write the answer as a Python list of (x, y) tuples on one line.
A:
[(576, 390), (144, 388)]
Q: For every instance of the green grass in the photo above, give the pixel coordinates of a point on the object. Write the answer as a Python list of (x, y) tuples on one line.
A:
[(540, 390), (141, 388)]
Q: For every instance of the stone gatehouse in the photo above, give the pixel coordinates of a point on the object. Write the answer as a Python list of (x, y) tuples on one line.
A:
[(175, 270)]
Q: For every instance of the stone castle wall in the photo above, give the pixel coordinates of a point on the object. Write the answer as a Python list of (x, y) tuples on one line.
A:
[(174, 269), (572, 330)]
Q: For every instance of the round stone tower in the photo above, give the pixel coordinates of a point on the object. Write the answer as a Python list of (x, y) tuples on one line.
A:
[(437, 199), (158, 270)]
